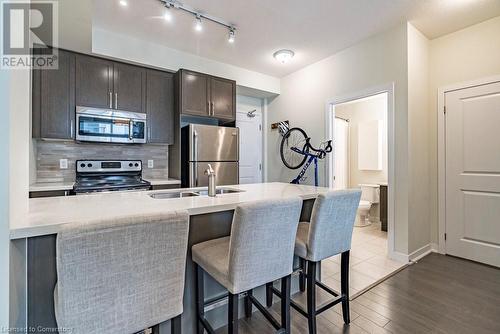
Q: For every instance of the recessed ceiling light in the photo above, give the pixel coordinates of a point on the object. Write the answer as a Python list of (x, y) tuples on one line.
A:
[(123, 3), (283, 56), (198, 26)]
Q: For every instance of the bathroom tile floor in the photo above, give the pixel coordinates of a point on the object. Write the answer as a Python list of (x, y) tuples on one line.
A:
[(369, 263)]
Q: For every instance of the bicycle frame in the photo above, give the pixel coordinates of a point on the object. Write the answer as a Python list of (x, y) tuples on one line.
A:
[(312, 158)]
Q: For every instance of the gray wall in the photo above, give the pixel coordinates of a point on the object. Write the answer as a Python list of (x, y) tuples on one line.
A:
[(48, 154)]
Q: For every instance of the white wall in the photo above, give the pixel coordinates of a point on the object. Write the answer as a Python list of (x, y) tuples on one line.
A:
[(465, 55), (365, 110), (418, 140), (111, 44), (376, 61), (4, 197)]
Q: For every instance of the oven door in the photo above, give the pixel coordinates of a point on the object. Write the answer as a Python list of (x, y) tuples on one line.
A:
[(109, 129)]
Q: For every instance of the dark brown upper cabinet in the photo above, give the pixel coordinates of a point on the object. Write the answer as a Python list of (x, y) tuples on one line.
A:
[(102, 83), (53, 103), (94, 82), (160, 106), (222, 98), (205, 95), (194, 93), (129, 88)]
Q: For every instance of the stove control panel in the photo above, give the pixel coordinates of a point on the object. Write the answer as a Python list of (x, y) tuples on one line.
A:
[(107, 166)]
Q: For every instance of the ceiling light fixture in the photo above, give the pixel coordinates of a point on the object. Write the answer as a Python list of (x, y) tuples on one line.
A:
[(198, 26), (123, 3), (283, 56), (231, 35), (167, 16), (176, 4)]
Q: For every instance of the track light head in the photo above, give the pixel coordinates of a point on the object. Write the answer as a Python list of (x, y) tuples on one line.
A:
[(232, 36), (198, 25)]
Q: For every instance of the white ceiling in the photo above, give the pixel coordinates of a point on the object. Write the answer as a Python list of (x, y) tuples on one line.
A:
[(313, 29)]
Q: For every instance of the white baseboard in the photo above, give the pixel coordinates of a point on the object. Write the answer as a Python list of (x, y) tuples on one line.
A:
[(416, 255), (400, 257), (423, 251)]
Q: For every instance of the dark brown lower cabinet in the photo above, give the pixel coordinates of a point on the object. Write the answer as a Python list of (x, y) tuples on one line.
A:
[(383, 207), (165, 186), (50, 193)]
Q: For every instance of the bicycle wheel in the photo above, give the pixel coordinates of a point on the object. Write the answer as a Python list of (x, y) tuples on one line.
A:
[(295, 137)]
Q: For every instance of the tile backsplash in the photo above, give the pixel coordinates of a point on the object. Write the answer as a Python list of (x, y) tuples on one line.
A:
[(48, 154)]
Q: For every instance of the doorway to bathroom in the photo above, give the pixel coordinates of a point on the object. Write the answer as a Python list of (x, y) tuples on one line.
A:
[(361, 127)]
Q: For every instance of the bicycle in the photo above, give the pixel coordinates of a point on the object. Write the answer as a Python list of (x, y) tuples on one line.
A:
[(296, 148)]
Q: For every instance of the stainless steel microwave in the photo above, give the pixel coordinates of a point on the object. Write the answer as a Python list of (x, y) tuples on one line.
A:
[(110, 126)]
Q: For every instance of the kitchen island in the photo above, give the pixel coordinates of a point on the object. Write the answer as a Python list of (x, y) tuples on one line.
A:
[(33, 267)]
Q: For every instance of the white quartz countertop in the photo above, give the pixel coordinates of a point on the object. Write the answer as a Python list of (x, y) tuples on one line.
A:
[(51, 186), (47, 215), (160, 182)]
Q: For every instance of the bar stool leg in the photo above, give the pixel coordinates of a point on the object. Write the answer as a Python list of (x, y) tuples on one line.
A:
[(200, 299), (344, 285), (302, 275), (285, 304), (311, 296), (232, 323), (269, 294), (248, 304), (176, 325)]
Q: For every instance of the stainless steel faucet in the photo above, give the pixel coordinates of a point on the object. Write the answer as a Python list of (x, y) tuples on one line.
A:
[(211, 181)]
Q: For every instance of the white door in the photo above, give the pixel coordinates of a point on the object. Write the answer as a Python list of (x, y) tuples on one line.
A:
[(473, 173), (250, 146)]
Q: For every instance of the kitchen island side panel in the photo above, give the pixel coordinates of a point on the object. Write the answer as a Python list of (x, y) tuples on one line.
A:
[(42, 274)]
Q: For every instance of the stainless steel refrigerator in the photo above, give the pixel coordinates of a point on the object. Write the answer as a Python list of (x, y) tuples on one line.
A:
[(214, 145)]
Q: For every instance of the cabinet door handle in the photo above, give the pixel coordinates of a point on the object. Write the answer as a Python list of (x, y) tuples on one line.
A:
[(110, 100), (116, 100), (212, 108)]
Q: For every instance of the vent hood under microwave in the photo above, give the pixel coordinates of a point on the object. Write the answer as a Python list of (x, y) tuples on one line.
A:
[(110, 126)]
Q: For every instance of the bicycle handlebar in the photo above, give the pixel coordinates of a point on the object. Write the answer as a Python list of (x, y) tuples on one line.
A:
[(321, 151)]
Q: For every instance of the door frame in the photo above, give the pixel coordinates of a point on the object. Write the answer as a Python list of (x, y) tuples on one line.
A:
[(441, 104), (330, 115), (262, 152)]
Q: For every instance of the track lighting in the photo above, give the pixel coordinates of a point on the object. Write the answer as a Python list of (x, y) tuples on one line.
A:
[(231, 35), (198, 26), (171, 5)]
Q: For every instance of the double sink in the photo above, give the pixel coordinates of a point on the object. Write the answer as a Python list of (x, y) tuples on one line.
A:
[(191, 193)]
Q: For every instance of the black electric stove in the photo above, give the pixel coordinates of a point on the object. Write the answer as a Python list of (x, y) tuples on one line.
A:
[(109, 175)]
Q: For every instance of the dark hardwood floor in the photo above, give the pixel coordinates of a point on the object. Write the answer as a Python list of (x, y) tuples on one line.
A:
[(439, 294)]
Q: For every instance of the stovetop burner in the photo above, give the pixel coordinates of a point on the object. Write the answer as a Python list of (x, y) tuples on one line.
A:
[(100, 176)]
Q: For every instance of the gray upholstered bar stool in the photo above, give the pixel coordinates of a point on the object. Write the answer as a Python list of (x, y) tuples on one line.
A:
[(259, 250), (121, 275), (327, 234)]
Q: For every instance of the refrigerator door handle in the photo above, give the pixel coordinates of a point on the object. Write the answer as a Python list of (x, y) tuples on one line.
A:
[(195, 145), (194, 173)]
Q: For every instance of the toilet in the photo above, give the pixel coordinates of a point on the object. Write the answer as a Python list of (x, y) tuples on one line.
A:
[(370, 194)]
